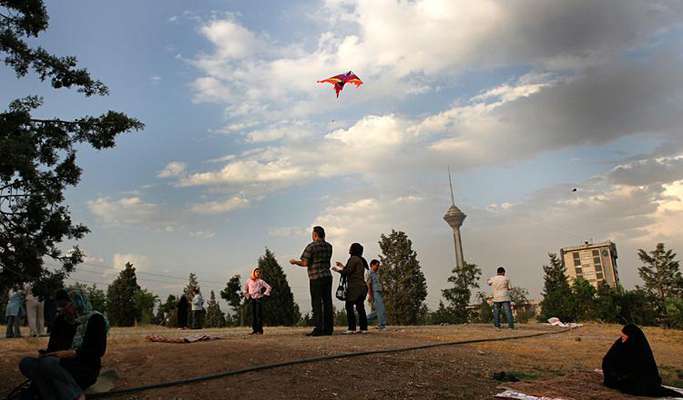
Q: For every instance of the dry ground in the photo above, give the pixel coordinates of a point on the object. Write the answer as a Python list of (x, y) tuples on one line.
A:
[(458, 372)]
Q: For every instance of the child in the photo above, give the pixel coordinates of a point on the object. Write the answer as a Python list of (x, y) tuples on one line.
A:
[(255, 288), (375, 296)]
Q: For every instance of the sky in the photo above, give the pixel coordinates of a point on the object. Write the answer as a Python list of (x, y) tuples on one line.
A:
[(243, 149)]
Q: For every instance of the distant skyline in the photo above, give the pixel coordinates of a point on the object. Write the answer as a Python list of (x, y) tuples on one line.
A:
[(243, 150)]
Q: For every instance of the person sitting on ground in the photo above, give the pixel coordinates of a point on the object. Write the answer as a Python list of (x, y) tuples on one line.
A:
[(65, 374), (357, 290), (14, 312), (375, 296), (64, 324), (254, 290), (629, 366), (501, 297)]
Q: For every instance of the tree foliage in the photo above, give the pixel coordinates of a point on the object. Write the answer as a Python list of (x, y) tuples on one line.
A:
[(662, 279), (166, 314), (214, 315), (97, 297), (464, 279), (279, 308), (404, 284), (122, 307), (192, 285), (556, 292), (38, 158), (145, 301), (232, 294)]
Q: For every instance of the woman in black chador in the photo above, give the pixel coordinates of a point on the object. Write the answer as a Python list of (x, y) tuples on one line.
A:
[(630, 367), (183, 309)]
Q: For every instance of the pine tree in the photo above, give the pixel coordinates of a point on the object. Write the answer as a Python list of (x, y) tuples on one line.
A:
[(442, 315), (463, 279), (556, 292), (404, 284), (520, 300), (232, 294), (485, 309), (583, 300), (144, 303), (38, 160), (279, 308), (662, 278), (121, 306), (192, 285), (166, 314), (214, 315)]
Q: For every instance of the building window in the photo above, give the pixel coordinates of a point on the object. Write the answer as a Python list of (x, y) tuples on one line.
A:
[(577, 259), (596, 261), (599, 275), (598, 268), (579, 271), (596, 253)]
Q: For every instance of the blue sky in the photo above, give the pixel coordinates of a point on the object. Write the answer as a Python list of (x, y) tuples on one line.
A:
[(242, 149)]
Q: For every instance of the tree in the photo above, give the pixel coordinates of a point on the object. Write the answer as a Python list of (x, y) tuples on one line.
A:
[(192, 285), (279, 308), (464, 279), (520, 298), (442, 315), (122, 308), (144, 304), (38, 160), (556, 292), (166, 314), (97, 297), (404, 284), (232, 294), (583, 300), (485, 309), (636, 307), (662, 278), (608, 303), (214, 315)]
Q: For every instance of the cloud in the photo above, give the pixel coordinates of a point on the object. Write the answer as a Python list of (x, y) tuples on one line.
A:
[(140, 262), (174, 168), (127, 210), (202, 235), (220, 207), (648, 171)]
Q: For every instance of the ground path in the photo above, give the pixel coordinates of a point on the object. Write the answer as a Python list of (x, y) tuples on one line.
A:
[(461, 372)]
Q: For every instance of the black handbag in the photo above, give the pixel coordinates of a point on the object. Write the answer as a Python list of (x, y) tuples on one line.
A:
[(342, 289)]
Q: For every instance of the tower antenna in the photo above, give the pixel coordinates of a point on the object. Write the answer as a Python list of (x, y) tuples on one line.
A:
[(450, 181)]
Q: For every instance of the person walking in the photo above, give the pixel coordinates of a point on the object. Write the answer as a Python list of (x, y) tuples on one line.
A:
[(357, 290), (375, 296), (14, 312), (255, 289), (501, 297), (34, 311), (316, 258), (197, 309)]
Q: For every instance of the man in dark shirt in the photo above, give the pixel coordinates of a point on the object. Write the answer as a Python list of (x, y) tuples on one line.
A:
[(316, 258)]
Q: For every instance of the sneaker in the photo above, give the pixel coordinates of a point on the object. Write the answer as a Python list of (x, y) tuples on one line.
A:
[(349, 332), (363, 332)]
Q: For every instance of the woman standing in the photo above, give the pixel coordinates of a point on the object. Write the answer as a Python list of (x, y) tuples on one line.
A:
[(197, 309), (254, 289), (66, 374), (14, 312), (357, 290), (182, 307)]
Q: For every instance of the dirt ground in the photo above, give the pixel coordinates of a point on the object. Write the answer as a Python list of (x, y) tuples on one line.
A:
[(564, 361)]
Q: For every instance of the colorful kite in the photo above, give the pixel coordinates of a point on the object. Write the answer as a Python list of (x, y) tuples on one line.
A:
[(338, 81)]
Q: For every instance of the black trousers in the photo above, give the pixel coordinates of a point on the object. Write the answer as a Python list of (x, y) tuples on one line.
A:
[(321, 304), (257, 315), (360, 309)]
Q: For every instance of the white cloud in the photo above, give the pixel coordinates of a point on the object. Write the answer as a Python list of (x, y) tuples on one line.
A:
[(174, 168), (127, 210), (221, 207), (202, 235), (140, 262)]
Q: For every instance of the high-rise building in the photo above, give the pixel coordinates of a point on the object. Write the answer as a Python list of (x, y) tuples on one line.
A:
[(594, 262), (455, 217)]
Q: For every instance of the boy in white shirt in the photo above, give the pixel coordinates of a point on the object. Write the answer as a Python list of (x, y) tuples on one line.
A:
[(501, 297)]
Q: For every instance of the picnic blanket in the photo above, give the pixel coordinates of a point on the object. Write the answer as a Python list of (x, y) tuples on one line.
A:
[(182, 339), (554, 321)]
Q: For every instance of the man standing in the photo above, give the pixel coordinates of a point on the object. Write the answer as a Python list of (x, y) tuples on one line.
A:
[(316, 258), (375, 297), (501, 297), (34, 311), (197, 310)]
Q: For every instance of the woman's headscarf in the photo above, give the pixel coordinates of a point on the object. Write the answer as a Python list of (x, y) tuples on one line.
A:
[(84, 310), (253, 273), (639, 350), (357, 250)]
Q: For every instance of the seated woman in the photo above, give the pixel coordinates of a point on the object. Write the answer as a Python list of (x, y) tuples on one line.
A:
[(357, 290), (65, 374), (629, 366), (64, 324)]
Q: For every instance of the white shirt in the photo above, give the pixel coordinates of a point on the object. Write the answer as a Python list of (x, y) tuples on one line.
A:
[(501, 288), (197, 302)]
